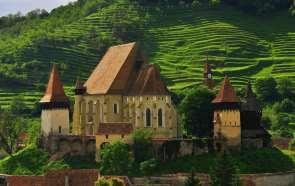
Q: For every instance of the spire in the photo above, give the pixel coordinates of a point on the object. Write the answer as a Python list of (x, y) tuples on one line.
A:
[(208, 79), (226, 94), (54, 92), (249, 92), (79, 87), (207, 68), (250, 102)]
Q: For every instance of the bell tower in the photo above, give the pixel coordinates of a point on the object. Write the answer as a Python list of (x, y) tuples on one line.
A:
[(55, 107), (227, 119), (208, 77)]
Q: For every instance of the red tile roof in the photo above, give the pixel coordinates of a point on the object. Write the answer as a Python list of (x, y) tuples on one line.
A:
[(115, 128), (112, 72), (226, 93), (149, 82), (124, 70), (54, 91)]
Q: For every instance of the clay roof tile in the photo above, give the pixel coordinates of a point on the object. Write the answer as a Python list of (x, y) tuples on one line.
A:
[(55, 91), (226, 93)]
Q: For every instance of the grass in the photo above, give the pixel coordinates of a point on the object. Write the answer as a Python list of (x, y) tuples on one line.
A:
[(255, 161), (34, 161), (178, 39)]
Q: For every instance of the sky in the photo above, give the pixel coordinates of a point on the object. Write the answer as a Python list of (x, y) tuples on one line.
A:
[(24, 6)]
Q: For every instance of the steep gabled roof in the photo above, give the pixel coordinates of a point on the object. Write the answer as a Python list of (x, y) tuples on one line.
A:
[(55, 91), (226, 93), (250, 103), (111, 74), (149, 82)]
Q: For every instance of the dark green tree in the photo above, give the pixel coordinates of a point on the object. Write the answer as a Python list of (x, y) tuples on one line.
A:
[(286, 88), (142, 145), (18, 106), (10, 129), (266, 89), (196, 110), (115, 159), (225, 172)]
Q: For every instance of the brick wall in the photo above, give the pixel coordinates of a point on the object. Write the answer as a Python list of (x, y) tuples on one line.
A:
[(81, 177)]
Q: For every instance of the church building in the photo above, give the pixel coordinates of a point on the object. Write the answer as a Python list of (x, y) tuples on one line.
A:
[(124, 93)]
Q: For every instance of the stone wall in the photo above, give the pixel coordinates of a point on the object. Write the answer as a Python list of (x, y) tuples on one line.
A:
[(69, 144)]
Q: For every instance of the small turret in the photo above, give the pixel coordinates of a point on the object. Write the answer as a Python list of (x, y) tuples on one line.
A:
[(250, 102), (79, 87), (208, 77), (227, 122), (55, 107)]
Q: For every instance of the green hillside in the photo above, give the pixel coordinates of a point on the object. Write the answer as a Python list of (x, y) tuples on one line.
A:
[(177, 38)]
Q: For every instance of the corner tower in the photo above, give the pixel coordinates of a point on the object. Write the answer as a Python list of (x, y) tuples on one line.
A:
[(227, 121), (55, 107)]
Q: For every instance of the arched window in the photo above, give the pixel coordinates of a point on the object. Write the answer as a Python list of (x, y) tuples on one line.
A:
[(115, 109), (160, 118), (90, 111), (148, 118)]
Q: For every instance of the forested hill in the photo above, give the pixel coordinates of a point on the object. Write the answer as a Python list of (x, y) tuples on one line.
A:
[(245, 41)]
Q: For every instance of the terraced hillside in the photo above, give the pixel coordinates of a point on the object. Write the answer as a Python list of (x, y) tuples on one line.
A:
[(178, 39)]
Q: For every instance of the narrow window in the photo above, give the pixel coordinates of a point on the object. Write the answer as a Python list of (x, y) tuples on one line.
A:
[(160, 118), (59, 129), (116, 108), (107, 136), (148, 117)]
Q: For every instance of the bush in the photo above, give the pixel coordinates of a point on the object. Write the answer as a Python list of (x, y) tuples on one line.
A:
[(292, 145), (142, 145), (147, 167), (225, 172), (115, 159)]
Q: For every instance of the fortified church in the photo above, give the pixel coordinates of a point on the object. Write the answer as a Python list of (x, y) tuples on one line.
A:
[(125, 93)]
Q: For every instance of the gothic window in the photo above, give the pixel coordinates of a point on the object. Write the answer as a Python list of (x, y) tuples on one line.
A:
[(160, 118), (90, 111), (115, 109), (148, 118)]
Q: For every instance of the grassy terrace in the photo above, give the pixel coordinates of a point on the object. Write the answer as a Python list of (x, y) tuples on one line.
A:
[(242, 46)]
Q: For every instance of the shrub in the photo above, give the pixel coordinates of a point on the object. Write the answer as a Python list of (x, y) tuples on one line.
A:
[(225, 172), (115, 159), (147, 167), (142, 145), (292, 145)]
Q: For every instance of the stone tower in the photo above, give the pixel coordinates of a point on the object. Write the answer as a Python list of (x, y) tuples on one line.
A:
[(227, 121), (55, 107), (78, 119), (208, 78)]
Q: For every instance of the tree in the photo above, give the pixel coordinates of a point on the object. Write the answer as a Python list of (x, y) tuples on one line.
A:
[(142, 145), (115, 159), (192, 180), (18, 106), (266, 89), (225, 173), (281, 125), (10, 129), (286, 88), (196, 110)]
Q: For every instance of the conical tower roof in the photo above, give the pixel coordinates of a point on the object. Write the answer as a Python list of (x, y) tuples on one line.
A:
[(55, 91), (250, 103), (226, 93)]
